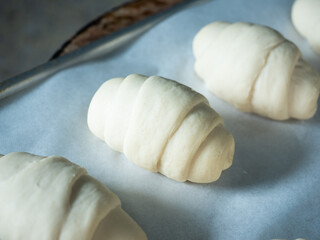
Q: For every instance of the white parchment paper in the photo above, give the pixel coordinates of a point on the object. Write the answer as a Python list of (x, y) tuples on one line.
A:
[(271, 191)]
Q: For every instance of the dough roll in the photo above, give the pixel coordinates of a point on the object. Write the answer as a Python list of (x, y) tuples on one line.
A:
[(51, 198), (256, 69), (162, 126), (306, 19)]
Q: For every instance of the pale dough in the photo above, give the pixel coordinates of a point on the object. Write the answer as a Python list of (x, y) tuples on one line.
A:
[(51, 198), (256, 69), (162, 126), (306, 19)]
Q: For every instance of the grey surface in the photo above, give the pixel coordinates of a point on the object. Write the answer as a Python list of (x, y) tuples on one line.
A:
[(271, 190), (31, 30)]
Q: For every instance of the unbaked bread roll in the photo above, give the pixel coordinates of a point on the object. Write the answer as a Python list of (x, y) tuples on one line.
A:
[(162, 126), (306, 19), (51, 198), (256, 69)]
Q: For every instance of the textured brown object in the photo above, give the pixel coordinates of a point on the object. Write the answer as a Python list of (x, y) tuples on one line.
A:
[(115, 20)]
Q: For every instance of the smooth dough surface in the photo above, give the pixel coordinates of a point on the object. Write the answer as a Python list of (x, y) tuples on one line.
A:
[(162, 126), (51, 198), (257, 70), (306, 19)]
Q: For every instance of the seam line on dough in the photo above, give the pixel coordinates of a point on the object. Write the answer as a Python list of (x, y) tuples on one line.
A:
[(192, 162), (211, 42), (80, 172), (290, 81), (132, 111), (26, 167), (252, 90), (105, 215), (105, 210), (111, 110), (173, 132)]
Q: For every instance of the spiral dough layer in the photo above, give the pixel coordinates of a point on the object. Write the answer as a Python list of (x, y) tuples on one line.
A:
[(257, 70), (162, 126), (51, 198)]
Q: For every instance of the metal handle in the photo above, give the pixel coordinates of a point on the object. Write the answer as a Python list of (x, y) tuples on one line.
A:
[(95, 49)]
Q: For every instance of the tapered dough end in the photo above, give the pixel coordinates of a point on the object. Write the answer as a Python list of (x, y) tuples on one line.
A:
[(304, 91), (102, 100), (214, 155), (228, 152), (184, 144), (118, 226)]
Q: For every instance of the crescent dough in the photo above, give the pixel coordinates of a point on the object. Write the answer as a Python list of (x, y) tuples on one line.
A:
[(255, 69), (163, 126), (51, 198), (306, 19)]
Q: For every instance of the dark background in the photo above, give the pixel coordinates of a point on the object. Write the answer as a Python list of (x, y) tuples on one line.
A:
[(32, 30)]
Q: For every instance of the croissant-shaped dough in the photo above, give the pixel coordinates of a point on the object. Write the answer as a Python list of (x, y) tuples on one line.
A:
[(306, 19), (51, 198), (255, 69), (163, 126)]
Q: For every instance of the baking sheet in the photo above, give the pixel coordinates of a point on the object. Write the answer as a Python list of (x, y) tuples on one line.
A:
[(272, 189)]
